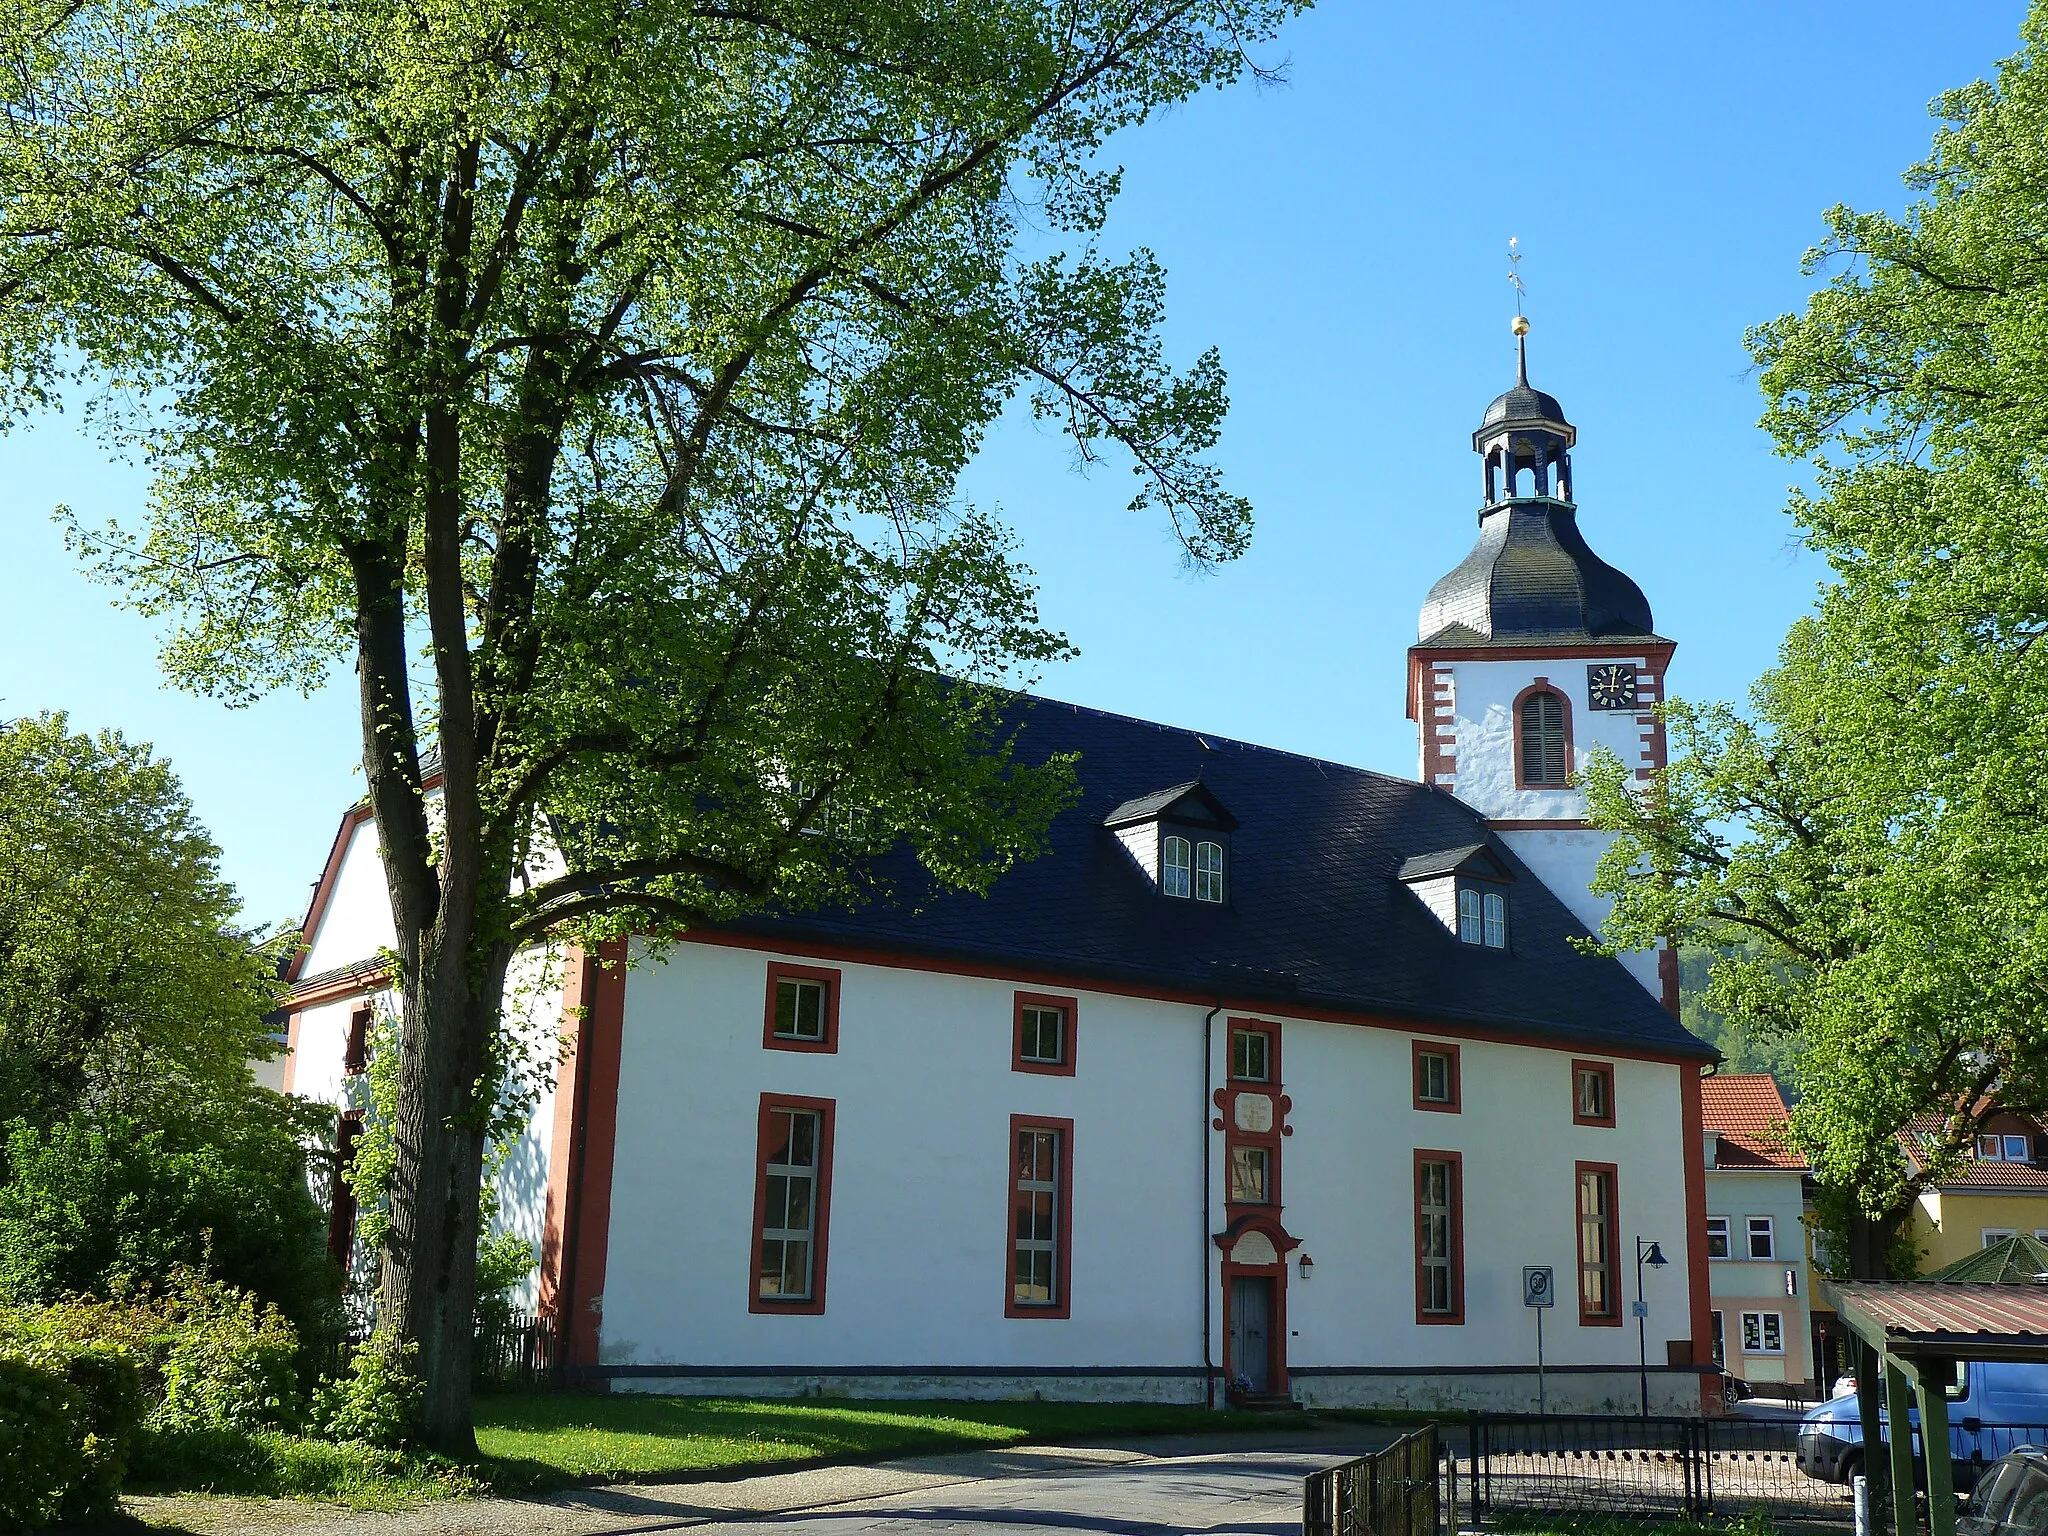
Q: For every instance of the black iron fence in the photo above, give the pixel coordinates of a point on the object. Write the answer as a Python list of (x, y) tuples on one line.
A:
[(1645, 1469), (516, 1351), (1394, 1492)]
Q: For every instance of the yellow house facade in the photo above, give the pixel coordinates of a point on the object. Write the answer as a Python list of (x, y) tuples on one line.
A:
[(2001, 1191), (1758, 1275)]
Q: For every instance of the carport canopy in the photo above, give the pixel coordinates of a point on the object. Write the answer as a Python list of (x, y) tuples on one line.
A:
[(1920, 1330)]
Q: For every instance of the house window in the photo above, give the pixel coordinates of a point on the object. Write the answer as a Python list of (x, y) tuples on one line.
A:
[(1248, 1052), (792, 1197), (1543, 755), (1720, 1342), (1717, 1237), (803, 1009), (1436, 1077), (1439, 1239), (1041, 1186), (1989, 1149), (1042, 1035), (1482, 918), (1992, 1236), (1208, 871), (1762, 1240), (355, 1055), (1251, 1176), (341, 1194), (1592, 1093), (1174, 866), (1599, 1297), (1763, 1333), (2016, 1149)]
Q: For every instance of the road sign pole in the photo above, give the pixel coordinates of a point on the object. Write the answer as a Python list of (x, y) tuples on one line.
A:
[(1539, 1360)]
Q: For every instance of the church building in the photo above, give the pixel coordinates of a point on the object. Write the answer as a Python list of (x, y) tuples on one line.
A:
[(1271, 1078)]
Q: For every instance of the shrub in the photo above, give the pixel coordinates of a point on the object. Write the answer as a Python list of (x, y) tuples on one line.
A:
[(108, 1388), (378, 1402), (41, 1454)]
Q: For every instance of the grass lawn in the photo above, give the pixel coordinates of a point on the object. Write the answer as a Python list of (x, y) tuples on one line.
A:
[(537, 1440)]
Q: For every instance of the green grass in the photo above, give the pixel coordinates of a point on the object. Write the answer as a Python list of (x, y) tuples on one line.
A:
[(532, 1442), (1750, 1524), (551, 1439)]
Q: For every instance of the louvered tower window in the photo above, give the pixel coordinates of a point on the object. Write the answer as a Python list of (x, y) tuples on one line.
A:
[(1543, 749)]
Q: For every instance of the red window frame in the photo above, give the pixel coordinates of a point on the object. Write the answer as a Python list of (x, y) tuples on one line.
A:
[(1063, 1235), (1609, 1319), (1455, 1103), (341, 1195), (1457, 1161), (1543, 685), (778, 971), (355, 1052), (1064, 1067), (1606, 1070), (821, 1203)]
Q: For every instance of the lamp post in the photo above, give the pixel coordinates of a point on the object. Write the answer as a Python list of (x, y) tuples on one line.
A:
[(1652, 1255)]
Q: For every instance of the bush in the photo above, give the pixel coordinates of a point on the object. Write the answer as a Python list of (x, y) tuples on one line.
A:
[(109, 1391), (41, 1454), (378, 1402), (209, 1355)]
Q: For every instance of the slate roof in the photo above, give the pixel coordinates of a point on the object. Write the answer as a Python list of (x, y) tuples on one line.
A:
[(1316, 915), (1748, 1114), (1531, 579), (1449, 861)]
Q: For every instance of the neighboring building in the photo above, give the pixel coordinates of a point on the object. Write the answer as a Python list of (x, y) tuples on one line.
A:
[(1757, 1262), (1269, 1076), (2000, 1190)]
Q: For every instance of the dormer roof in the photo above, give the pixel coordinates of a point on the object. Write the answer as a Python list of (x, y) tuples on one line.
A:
[(1191, 802), (1477, 860)]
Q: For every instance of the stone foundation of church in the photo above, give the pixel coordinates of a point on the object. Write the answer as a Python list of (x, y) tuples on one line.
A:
[(1674, 1390), (966, 1384)]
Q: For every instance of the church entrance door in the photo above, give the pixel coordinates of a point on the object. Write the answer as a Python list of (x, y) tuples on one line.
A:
[(1251, 1332)]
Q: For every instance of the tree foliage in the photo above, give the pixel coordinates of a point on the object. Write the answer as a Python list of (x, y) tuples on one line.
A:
[(1875, 819), (597, 381)]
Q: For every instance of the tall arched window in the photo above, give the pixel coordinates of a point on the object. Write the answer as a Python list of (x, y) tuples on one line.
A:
[(1545, 760)]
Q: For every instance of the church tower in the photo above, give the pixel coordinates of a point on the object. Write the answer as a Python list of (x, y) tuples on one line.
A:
[(1533, 652)]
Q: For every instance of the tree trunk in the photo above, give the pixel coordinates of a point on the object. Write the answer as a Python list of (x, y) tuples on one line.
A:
[(429, 1270), (1868, 1241)]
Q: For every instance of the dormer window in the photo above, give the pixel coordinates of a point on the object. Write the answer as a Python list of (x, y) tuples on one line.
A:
[(1465, 889), (1180, 839)]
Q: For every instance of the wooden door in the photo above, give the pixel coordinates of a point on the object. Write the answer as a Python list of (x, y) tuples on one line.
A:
[(1251, 1332)]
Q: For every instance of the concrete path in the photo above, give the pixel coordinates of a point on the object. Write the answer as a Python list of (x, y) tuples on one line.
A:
[(1214, 1485)]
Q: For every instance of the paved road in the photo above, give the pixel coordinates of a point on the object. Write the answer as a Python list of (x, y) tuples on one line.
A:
[(1205, 1485)]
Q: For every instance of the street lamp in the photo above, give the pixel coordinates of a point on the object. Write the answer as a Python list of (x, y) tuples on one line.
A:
[(1652, 1255)]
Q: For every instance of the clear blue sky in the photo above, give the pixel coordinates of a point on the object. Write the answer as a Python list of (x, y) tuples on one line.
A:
[(1342, 239)]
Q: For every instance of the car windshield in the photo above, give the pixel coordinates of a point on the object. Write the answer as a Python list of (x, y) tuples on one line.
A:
[(2014, 1497)]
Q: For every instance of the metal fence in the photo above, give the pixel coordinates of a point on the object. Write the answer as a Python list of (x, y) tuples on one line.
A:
[(518, 1351), (1394, 1492), (1645, 1469)]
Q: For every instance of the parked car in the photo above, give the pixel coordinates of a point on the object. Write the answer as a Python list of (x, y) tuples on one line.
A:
[(2011, 1499), (1991, 1409)]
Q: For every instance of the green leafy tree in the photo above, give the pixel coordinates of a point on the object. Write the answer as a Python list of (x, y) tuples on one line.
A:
[(1875, 822), (596, 382)]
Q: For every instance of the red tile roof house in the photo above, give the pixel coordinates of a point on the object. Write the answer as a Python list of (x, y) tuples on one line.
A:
[(1759, 1275), (2000, 1189)]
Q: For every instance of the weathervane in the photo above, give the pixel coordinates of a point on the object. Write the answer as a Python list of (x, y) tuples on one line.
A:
[(1520, 324)]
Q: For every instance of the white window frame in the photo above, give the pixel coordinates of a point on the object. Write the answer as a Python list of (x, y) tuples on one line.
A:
[(1265, 1054), (1776, 1320), (1434, 1217), (1249, 1155), (1208, 871), (1768, 1227), (1470, 929), (796, 988), (1176, 860), (1986, 1236), (1725, 1234), (2026, 1151), (790, 1175), (1037, 1245), (1441, 1061), (1990, 1149), (1494, 920)]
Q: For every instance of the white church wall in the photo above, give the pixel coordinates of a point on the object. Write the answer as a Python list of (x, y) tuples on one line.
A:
[(533, 999), (918, 1246), (356, 922), (1484, 694), (918, 1261), (1565, 860)]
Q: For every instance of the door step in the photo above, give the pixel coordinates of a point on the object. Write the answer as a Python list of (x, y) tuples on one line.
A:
[(1264, 1402)]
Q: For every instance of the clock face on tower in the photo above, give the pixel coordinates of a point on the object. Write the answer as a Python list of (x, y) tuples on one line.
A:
[(1611, 685)]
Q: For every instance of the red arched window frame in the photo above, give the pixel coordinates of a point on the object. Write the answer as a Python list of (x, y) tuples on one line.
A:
[(1564, 707)]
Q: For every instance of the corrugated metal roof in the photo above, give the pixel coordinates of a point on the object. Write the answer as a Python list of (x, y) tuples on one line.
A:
[(1931, 1310)]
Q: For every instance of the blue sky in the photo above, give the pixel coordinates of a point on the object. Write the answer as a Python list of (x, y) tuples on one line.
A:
[(1342, 239)]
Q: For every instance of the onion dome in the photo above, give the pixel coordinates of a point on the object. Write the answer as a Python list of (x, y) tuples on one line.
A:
[(1531, 579)]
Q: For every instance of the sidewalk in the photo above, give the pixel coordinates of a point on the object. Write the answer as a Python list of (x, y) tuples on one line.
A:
[(621, 1509)]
